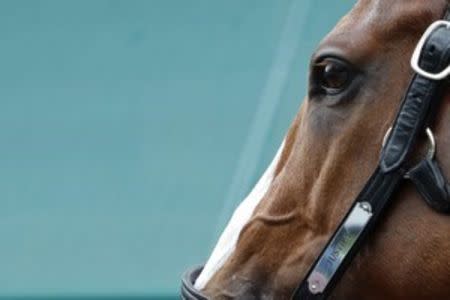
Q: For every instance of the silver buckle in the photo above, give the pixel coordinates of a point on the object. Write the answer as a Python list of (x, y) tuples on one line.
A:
[(418, 51)]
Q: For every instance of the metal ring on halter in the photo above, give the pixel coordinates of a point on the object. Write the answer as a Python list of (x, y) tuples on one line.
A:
[(418, 52), (432, 141)]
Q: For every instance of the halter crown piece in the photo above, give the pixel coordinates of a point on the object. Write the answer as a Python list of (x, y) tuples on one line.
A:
[(430, 62)]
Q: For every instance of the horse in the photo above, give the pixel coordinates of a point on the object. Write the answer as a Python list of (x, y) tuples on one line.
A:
[(357, 79)]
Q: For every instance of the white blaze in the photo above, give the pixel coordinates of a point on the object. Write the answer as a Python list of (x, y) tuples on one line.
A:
[(227, 241), (271, 96)]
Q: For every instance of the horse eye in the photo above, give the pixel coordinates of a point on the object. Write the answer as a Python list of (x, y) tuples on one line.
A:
[(332, 75)]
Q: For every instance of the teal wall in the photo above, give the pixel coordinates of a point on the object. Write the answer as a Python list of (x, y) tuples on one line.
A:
[(130, 130)]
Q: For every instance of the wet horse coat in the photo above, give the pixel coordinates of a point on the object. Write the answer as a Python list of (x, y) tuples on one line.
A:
[(330, 151)]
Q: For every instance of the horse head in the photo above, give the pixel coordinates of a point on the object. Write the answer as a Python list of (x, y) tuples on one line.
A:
[(358, 76)]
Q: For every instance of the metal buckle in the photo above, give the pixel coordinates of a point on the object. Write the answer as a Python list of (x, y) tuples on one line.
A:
[(418, 51)]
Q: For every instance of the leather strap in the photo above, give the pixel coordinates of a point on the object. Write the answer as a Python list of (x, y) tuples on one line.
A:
[(188, 290), (418, 101), (432, 185)]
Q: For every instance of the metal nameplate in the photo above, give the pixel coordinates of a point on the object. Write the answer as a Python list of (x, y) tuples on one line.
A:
[(339, 247)]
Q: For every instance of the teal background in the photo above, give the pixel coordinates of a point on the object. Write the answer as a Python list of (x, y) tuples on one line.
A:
[(130, 130)]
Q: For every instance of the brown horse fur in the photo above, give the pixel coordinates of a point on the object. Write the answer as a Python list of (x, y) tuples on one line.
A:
[(331, 149)]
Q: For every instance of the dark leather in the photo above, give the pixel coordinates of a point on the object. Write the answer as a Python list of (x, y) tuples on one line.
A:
[(418, 102), (432, 185), (187, 285), (378, 191)]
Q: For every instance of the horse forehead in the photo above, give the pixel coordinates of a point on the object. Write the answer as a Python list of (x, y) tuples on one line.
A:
[(373, 25), (388, 17), (389, 8)]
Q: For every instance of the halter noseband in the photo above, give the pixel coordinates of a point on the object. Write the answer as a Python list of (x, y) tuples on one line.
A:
[(431, 63)]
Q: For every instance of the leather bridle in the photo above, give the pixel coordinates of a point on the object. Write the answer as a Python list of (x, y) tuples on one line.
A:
[(431, 63)]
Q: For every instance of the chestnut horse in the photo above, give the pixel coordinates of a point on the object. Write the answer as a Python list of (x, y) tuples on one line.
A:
[(358, 76)]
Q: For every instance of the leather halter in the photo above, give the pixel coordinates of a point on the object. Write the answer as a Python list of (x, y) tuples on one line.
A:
[(431, 63)]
